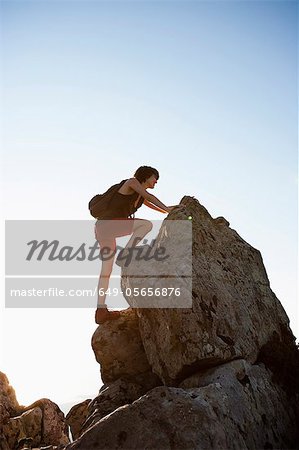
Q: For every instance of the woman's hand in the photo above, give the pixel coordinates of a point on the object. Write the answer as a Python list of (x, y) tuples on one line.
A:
[(177, 207)]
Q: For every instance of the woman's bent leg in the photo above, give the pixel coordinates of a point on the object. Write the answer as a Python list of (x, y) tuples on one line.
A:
[(140, 228)]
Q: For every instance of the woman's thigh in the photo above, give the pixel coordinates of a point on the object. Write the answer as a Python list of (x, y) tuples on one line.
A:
[(138, 223), (107, 230)]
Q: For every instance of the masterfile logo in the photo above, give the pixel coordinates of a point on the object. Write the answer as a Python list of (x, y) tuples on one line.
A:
[(56, 263)]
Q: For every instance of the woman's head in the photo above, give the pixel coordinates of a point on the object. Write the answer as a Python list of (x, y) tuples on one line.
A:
[(143, 173)]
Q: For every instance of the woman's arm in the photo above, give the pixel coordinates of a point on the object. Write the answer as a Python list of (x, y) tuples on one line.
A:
[(137, 187), (152, 206)]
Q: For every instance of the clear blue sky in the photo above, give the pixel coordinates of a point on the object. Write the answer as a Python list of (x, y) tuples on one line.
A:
[(204, 91)]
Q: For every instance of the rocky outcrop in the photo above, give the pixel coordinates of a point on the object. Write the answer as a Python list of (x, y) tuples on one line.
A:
[(234, 311), (41, 423), (221, 373), (229, 364), (235, 406)]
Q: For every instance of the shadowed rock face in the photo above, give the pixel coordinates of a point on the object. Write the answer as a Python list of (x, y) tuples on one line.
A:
[(234, 406), (76, 418)]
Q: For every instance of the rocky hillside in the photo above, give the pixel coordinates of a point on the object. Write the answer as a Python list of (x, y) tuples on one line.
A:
[(222, 373)]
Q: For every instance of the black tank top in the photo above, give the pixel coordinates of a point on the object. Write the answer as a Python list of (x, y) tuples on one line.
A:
[(124, 205)]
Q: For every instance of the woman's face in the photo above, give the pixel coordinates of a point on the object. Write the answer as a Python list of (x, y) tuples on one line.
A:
[(151, 181)]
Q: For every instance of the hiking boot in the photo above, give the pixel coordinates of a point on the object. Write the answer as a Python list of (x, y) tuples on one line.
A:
[(102, 315)]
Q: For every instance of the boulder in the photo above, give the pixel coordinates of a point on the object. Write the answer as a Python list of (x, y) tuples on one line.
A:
[(235, 406), (76, 417), (41, 423), (54, 427), (8, 400), (9, 406), (116, 394), (118, 348), (234, 312), (26, 425)]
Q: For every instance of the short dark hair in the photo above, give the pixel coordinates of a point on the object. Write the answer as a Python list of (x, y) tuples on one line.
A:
[(145, 172)]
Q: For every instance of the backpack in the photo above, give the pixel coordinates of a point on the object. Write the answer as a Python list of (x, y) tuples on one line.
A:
[(99, 204)]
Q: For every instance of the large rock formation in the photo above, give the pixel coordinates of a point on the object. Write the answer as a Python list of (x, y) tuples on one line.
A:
[(221, 374), (235, 406), (41, 423), (234, 310)]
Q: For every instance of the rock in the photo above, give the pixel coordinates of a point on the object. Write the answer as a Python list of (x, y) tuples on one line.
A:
[(124, 367), (221, 221), (236, 406), (54, 428), (41, 423), (9, 406), (228, 362), (116, 394), (27, 425), (118, 348), (166, 267), (234, 311), (3, 443), (8, 400), (281, 355), (76, 417)]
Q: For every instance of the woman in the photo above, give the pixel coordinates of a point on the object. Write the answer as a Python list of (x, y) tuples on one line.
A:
[(131, 195)]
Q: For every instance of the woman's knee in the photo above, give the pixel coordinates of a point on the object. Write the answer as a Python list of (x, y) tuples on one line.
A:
[(147, 225)]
